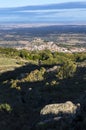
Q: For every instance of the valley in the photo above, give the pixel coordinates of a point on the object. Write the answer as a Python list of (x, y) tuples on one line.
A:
[(61, 38), (43, 78)]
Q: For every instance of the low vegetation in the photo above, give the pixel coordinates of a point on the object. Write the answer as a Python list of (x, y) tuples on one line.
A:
[(38, 79)]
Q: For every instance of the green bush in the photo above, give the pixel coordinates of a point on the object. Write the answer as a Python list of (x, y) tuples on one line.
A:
[(36, 75), (5, 107), (79, 57), (67, 69)]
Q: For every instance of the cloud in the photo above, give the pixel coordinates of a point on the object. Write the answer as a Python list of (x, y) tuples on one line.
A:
[(65, 12)]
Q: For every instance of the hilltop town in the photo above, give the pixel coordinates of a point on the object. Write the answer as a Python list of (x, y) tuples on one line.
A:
[(68, 39), (37, 44)]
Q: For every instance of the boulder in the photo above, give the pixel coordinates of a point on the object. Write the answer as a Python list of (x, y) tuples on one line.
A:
[(59, 116), (62, 109)]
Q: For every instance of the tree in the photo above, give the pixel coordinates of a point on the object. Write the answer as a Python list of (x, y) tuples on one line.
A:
[(67, 69), (24, 53), (45, 55)]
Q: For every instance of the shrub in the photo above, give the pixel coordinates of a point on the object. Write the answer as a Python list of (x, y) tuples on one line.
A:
[(67, 69), (53, 82), (36, 75), (14, 84), (5, 107)]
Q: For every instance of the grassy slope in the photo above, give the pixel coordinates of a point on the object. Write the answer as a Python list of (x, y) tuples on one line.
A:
[(10, 63)]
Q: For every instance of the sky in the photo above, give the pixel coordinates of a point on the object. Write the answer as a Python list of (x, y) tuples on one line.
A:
[(43, 11), (17, 3)]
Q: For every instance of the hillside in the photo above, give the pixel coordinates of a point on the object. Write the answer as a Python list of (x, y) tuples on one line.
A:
[(37, 81)]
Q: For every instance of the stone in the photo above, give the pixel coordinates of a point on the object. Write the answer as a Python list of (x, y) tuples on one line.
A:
[(67, 108)]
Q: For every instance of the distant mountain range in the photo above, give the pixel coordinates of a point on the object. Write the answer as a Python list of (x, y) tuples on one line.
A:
[(71, 12)]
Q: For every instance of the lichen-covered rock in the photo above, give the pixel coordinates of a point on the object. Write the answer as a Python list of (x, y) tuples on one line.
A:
[(58, 116), (60, 109)]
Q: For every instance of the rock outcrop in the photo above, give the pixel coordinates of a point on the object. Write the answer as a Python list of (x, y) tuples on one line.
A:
[(60, 109), (58, 115)]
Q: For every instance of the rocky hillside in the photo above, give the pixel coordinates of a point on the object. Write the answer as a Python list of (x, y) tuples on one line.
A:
[(43, 94)]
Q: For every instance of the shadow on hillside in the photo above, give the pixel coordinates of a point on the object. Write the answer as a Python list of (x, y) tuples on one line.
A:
[(27, 103), (14, 74)]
